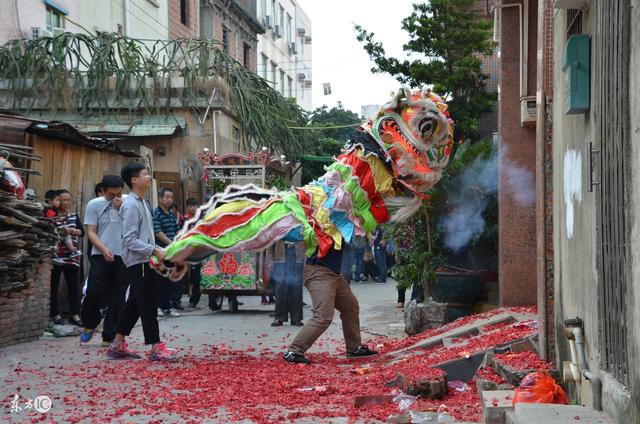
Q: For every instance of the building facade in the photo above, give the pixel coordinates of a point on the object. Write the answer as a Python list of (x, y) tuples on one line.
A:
[(284, 50), (303, 73), (36, 18), (235, 25), (184, 21), (596, 193), (586, 155)]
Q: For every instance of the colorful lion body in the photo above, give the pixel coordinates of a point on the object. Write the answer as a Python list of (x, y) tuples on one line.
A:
[(383, 174)]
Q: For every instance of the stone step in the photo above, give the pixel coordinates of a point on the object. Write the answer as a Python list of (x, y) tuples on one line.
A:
[(495, 403), (537, 413)]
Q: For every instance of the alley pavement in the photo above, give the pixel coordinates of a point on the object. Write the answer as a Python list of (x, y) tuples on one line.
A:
[(193, 333)]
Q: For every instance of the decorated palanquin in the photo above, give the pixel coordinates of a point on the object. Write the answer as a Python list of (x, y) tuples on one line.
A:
[(384, 174)]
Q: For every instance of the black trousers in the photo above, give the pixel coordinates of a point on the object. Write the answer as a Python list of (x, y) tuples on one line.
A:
[(401, 294), (177, 290), (194, 280), (107, 285), (163, 291), (140, 304), (71, 277)]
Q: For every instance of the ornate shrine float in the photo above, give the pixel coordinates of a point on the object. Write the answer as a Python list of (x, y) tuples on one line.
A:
[(235, 274)]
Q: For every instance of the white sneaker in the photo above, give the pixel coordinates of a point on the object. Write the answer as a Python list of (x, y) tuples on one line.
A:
[(160, 313), (172, 313)]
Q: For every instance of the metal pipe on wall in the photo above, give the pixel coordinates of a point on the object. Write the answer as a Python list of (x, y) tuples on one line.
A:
[(126, 18), (523, 27)]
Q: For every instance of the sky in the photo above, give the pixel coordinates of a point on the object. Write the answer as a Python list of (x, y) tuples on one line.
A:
[(339, 59)]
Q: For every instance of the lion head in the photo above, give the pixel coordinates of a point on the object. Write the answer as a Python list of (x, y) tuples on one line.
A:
[(415, 131)]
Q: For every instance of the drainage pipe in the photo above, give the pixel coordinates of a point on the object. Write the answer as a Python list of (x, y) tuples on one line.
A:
[(523, 18), (126, 18), (578, 365)]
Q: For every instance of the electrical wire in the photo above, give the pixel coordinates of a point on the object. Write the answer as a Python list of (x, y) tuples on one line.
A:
[(333, 127)]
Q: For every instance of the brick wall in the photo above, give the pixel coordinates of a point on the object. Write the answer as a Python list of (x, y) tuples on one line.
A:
[(176, 28), (24, 314), (239, 33), (517, 232)]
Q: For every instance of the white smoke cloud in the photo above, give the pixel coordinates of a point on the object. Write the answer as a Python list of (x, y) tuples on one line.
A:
[(474, 186)]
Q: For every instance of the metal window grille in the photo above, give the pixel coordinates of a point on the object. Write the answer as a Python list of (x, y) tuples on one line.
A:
[(611, 55), (574, 21)]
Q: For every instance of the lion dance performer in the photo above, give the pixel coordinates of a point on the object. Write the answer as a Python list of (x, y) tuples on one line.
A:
[(383, 174)]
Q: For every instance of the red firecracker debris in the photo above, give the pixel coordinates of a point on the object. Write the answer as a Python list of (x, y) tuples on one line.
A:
[(257, 385), (523, 361)]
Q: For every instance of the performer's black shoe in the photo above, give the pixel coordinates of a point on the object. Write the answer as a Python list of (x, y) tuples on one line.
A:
[(295, 358), (297, 323), (361, 352), (276, 323)]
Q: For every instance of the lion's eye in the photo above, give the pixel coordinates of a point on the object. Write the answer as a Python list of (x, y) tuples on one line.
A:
[(426, 127)]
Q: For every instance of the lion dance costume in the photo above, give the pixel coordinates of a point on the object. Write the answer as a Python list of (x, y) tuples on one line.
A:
[(383, 174)]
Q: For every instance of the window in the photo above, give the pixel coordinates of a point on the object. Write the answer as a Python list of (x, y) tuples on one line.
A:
[(290, 86), (55, 21), (263, 66), (235, 134), (184, 12), (282, 82), (273, 12), (225, 39), (281, 18), (274, 70), (574, 22), (246, 54), (289, 29)]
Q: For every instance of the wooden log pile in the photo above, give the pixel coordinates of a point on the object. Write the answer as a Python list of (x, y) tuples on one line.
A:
[(26, 236)]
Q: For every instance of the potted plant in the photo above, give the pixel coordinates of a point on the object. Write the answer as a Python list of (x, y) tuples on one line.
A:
[(453, 242)]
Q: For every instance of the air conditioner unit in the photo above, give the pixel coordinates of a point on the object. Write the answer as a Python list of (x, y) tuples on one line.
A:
[(570, 4), (277, 31), (307, 39), (38, 32), (528, 111), (302, 76), (292, 48), (301, 31), (268, 22)]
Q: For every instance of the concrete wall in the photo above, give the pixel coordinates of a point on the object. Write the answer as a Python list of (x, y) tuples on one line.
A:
[(634, 221), (517, 241), (17, 23), (575, 222)]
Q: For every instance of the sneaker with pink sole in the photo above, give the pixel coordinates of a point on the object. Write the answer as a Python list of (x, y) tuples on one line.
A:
[(121, 352), (161, 352)]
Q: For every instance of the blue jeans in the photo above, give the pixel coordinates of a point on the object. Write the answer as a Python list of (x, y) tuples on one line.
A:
[(358, 257), (381, 264), (347, 262), (287, 281)]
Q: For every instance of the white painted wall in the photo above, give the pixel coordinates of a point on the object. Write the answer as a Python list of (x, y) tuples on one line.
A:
[(17, 22), (148, 19)]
